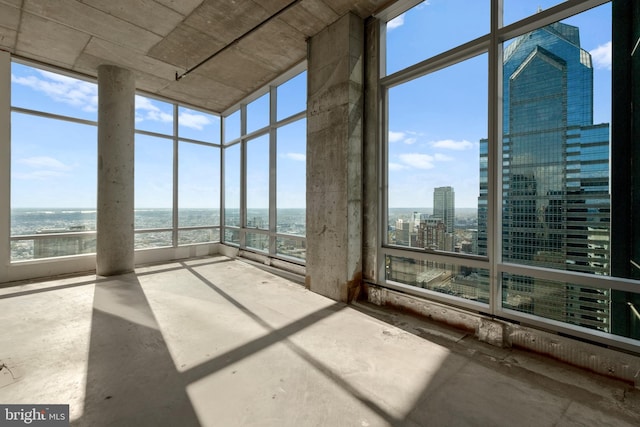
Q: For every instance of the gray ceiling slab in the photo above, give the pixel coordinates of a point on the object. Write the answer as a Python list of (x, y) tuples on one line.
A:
[(9, 17), (226, 20), (184, 7), (7, 36), (119, 55), (14, 3), (310, 18), (198, 90), (147, 14), (238, 70), (156, 39), (88, 20), (185, 47), (275, 43), (34, 39)]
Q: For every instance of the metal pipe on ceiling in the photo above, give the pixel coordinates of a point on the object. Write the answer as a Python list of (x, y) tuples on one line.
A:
[(237, 39)]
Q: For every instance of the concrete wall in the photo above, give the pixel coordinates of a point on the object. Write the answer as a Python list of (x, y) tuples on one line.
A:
[(592, 357), (334, 159), (370, 168)]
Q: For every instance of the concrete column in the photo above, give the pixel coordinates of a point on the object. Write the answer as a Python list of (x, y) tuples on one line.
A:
[(371, 164), (334, 159), (116, 97)]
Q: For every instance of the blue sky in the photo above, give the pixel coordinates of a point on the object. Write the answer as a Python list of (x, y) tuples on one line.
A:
[(54, 161), (437, 121)]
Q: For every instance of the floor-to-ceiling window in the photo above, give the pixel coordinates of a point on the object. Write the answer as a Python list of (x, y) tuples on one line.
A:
[(54, 168), (53, 164), (177, 173), (264, 171), (497, 148)]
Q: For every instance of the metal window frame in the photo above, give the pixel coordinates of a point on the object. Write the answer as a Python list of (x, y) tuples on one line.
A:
[(271, 131), (492, 44)]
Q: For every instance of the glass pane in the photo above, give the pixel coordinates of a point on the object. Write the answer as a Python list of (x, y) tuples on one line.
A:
[(42, 90), (198, 125), (429, 205), (515, 10), (232, 127), (433, 27), (155, 239), (198, 185), (21, 250), (296, 248), (292, 96), (258, 182), (556, 203), (153, 182), (154, 116), (53, 245), (232, 185), (565, 302), (257, 241), (188, 237), (53, 176), (232, 235), (258, 114), (291, 178), (153, 218), (451, 279)]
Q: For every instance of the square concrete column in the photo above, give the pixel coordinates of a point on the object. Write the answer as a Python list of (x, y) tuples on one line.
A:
[(116, 121), (334, 159)]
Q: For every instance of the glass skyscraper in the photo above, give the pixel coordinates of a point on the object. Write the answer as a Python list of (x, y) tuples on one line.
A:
[(444, 206), (555, 177)]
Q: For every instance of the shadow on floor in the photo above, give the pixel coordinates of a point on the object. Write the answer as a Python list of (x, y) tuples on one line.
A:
[(132, 378)]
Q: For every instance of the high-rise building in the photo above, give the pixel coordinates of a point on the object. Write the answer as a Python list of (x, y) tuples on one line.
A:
[(555, 199), (444, 209), (444, 206)]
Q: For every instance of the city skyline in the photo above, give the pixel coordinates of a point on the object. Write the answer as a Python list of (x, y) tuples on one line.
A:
[(436, 121)]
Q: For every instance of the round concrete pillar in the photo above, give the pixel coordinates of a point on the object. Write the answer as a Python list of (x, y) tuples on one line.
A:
[(116, 119)]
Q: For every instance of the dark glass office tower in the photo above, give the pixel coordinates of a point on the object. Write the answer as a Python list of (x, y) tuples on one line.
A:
[(444, 208), (555, 177)]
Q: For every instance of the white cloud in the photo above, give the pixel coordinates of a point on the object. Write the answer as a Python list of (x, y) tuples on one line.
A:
[(396, 136), (38, 175), (74, 92), (418, 160), (443, 158), (402, 137), (299, 157), (42, 168), (143, 103), (602, 56), (397, 166), (450, 144), (396, 22), (147, 110), (193, 119), (44, 162)]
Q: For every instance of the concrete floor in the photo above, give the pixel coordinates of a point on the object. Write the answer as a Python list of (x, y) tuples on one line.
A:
[(218, 342)]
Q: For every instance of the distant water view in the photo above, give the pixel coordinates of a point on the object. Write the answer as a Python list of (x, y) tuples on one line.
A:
[(153, 228)]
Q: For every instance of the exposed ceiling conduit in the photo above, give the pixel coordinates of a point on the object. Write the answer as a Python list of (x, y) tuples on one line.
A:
[(237, 39)]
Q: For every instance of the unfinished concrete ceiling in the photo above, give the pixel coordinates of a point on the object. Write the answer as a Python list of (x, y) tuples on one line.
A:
[(255, 40)]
